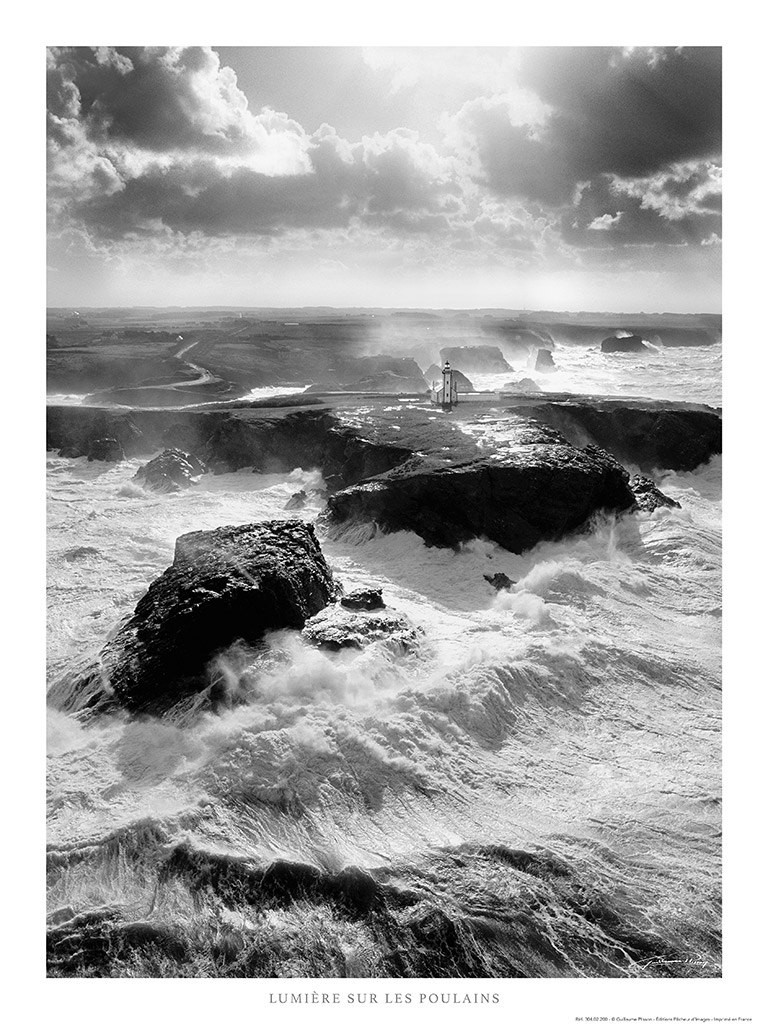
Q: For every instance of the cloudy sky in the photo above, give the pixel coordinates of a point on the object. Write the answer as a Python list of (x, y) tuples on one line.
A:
[(564, 178)]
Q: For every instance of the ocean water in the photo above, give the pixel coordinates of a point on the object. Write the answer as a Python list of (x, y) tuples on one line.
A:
[(675, 374), (534, 791)]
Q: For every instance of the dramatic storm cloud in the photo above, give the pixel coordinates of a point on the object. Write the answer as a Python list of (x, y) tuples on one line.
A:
[(285, 175)]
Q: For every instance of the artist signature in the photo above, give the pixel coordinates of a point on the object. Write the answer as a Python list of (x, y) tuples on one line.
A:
[(695, 961)]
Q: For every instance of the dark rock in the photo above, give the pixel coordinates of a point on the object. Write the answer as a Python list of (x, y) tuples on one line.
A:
[(297, 500), (364, 599), (233, 583), (653, 435), (105, 449), (170, 471), (544, 361), (71, 453), (75, 427), (336, 628), (476, 359), (537, 488), (499, 580), (646, 433), (629, 343), (648, 496), (683, 337)]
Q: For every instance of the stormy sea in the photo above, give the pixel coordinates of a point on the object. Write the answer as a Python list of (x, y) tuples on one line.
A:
[(522, 780)]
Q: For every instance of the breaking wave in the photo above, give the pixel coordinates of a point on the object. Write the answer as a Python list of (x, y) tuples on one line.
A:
[(534, 789)]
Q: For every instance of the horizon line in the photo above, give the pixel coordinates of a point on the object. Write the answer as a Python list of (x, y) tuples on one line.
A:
[(414, 309)]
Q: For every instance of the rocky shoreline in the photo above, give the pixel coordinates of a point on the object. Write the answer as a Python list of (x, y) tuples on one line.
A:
[(508, 476), (528, 470)]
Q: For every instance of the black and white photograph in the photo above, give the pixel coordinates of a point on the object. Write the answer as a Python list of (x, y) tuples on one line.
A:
[(383, 468), (382, 507)]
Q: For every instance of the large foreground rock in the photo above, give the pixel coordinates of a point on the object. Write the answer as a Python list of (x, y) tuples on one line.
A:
[(224, 585), (538, 487)]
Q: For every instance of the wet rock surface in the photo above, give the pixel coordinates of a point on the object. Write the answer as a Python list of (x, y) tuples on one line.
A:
[(628, 343), (171, 471), (533, 487), (648, 496), (363, 599), (337, 628), (297, 500), (278, 435), (649, 435), (499, 580), (225, 585)]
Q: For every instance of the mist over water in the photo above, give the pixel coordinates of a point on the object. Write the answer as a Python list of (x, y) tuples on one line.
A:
[(672, 374)]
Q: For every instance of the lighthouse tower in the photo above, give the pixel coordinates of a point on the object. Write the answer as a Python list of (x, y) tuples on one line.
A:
[(449, 391), (447, 394)]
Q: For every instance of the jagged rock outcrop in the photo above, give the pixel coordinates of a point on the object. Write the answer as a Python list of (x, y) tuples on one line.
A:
[(475, 359), (170, 471), (297, 500), (544, 361), (538, 487), (363, 599), (648, 496), (627, 343), (649, 435), (336, 628), (105, 449), (280, 435), (499, 580), (225, 585), (72, 429)]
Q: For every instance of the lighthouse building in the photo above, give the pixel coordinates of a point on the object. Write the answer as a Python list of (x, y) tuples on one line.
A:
[(446, 393)]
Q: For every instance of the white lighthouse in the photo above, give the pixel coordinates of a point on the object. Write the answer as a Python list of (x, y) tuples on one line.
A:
[(447, 394)]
